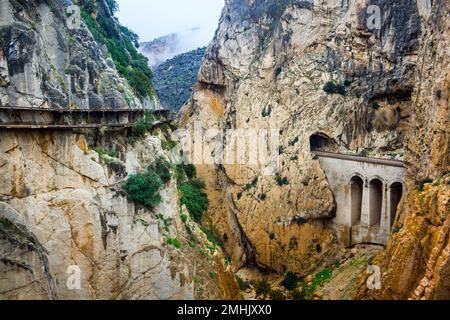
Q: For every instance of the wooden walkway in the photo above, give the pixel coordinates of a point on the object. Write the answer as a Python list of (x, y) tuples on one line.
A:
[(65, 126), (77, 126), (57, 110), (87, 118)]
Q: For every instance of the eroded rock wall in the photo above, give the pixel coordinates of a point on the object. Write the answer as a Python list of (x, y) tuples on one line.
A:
[(61, 206), (266, 68), (416, 263), (46, 62)]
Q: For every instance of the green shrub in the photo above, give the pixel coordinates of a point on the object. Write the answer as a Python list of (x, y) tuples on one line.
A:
[(184, 217), (319, 279), (174, 242), (252, 184), (262, 288), (143, 125), (334, 88), (290, 281), (168, 144), (364, 153), (185, 171), (190, 170), (162, 169), (144, 188), (179, 174), (197, 183), (212, 236), (102, 152), (194, 199), (243, 285), (281, 181)]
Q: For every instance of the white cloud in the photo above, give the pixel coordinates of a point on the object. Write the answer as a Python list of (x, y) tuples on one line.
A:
[(151, 19)]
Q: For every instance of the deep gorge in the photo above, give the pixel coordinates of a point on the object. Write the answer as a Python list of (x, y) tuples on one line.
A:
[(91, 178)]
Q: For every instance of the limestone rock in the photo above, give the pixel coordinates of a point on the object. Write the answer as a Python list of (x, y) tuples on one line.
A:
[(266, 69), (46, 63), (63, 214)]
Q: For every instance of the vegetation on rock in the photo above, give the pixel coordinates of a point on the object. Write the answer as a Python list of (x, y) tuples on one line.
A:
[(195, 200), (145, 187), (121, 43), (333, 87), (191, 190)]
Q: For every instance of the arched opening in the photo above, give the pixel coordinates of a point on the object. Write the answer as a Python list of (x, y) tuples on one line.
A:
[(356, 193), (322, 142), (376, 202), (396, 196)]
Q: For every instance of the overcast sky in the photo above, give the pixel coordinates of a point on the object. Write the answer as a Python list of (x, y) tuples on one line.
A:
[(151, 19)]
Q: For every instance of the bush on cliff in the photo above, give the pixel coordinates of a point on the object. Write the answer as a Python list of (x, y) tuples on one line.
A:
[(144, 188), (143, 126), (290, 281), (162, 169), (334, 88), (195, 200)]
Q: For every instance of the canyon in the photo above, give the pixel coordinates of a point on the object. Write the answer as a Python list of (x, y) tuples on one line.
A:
[(318, 72), (359, 178)]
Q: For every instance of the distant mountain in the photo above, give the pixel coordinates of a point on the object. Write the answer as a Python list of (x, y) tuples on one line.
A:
[(166, 47), (175, 78)]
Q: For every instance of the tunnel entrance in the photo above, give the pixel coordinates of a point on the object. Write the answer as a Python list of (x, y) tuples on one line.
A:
[(356, 186), (376, 202), (322, 142), (396, 196)]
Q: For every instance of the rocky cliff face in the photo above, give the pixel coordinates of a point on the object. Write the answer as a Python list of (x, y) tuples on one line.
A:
[(61, 206), (63, 214), (47, 62), (321, 75), (416, 263), (175, 78)]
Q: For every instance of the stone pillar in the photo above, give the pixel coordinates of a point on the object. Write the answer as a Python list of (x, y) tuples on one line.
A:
[(365, 207), (348, 201), (384, 224)]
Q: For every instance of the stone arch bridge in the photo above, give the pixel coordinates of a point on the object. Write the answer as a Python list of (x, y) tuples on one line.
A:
[(367, 192)]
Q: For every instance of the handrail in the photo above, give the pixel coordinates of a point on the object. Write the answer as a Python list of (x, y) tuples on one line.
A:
[(76, 126), (64, 126)]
